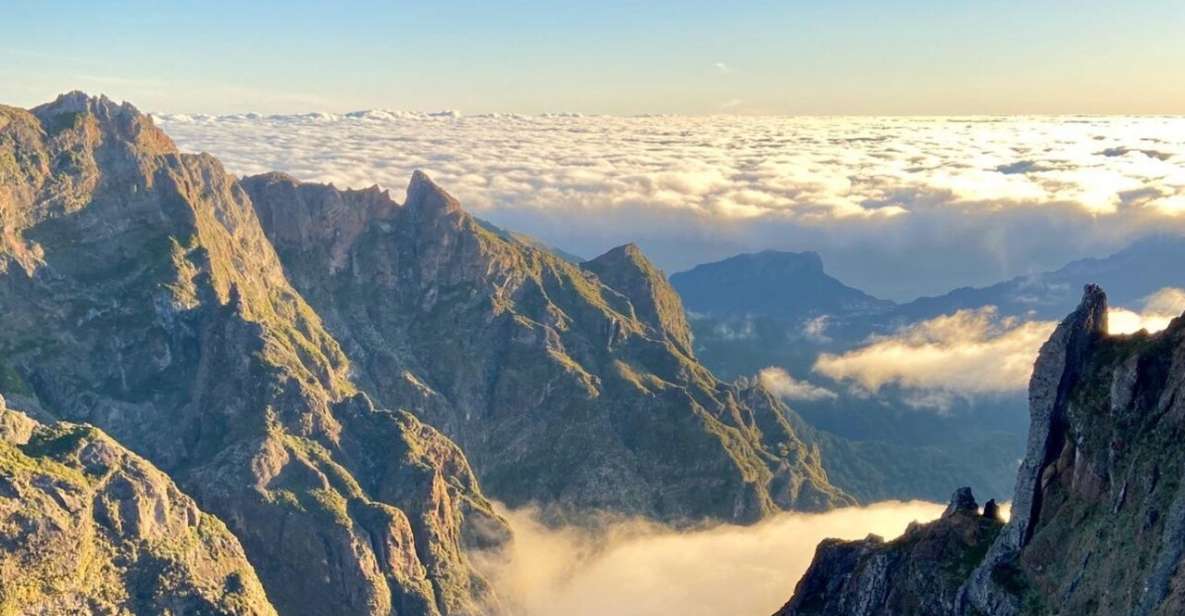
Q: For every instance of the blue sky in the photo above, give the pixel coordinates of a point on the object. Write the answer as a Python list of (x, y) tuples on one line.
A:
[(842, 57)]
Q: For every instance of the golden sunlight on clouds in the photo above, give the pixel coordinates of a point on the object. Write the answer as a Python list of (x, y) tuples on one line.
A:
[(646, 569), (1173, 205), (974, 352), (968, 352), (1159, 309)]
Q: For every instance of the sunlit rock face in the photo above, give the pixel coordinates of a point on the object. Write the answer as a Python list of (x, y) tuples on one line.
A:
[(86, 526), (140, 294), (1097, 515), (571, 386)]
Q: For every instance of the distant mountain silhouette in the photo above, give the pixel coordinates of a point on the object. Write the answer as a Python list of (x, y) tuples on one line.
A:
[(783, 285), (1129, 275)]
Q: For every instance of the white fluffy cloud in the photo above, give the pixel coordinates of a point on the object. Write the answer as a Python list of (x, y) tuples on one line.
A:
[(968, 352), (780, 383), (1159, 308), (973, 352), (896, 205), (645, 569)]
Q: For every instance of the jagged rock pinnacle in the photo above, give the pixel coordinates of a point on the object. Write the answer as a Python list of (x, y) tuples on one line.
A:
[(423, 195), (961, 500), (991, 510), (120, 120), (1091, 314), (77, 101)]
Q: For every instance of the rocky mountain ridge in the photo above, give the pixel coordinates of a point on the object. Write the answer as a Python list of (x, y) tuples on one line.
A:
[(1098, 511), (246, 338), (569, 386)]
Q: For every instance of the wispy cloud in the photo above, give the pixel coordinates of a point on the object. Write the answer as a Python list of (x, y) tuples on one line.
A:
[(731, 104), (780, 383), (722, 67)]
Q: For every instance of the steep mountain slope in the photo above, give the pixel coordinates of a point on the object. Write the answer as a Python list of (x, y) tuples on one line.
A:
[(1098, 515), (570, 386), (140, 294), (89, 527)]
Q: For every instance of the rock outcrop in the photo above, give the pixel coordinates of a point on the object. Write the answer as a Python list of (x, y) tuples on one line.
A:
[(918, 573), (571, 386), (1098, 514), (89, 527), (140, 294)]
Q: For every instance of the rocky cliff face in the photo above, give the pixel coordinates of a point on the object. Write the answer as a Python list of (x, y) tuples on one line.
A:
[(570, 386), (1098, 515), (89, 527), (919, 573), (140, 294)]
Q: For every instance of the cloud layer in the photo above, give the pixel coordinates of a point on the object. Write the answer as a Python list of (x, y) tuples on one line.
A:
[(973, 352), (644, 569), (899, 206)]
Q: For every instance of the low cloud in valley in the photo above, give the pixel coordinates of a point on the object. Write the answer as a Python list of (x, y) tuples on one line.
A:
[(646, 569)]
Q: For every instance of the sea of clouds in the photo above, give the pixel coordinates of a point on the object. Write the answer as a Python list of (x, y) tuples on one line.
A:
[(897, 206)]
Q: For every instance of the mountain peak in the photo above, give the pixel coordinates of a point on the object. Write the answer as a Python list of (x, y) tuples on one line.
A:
[(1092, 311), (962, 500), (121, 120), (426, 196), (627, 270), (631, 249), (627, 254), (77, 101)]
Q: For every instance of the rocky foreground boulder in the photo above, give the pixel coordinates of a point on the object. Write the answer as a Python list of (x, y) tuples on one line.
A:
[(87, 527), (1098, 514)]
